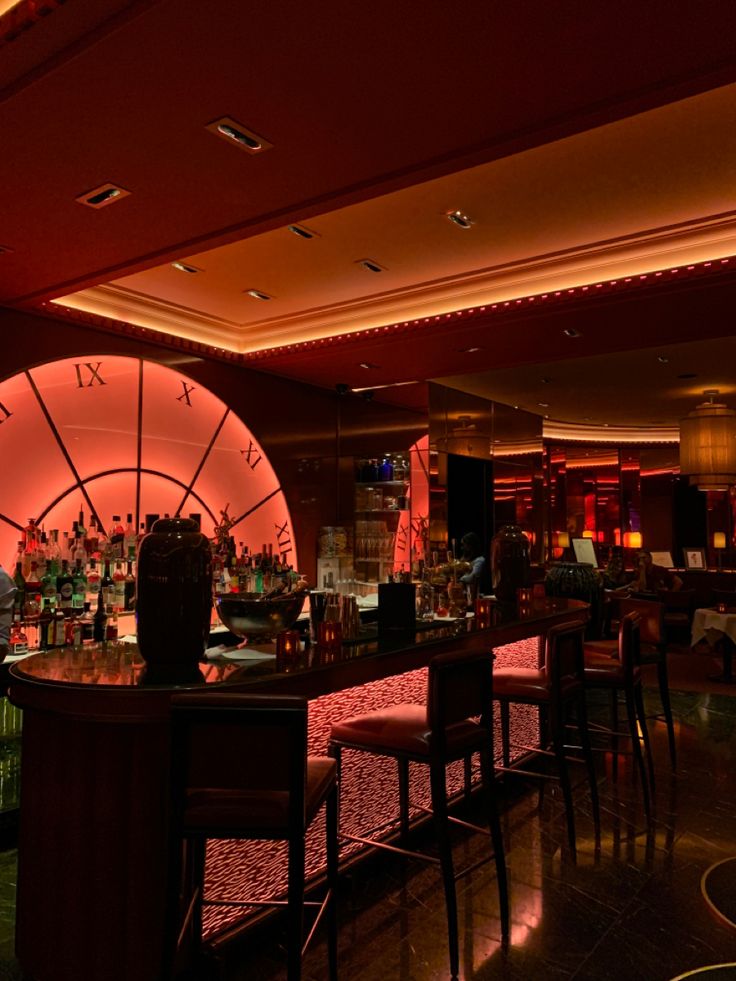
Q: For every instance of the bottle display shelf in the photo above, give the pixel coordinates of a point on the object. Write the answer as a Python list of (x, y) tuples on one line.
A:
[(383, 483)]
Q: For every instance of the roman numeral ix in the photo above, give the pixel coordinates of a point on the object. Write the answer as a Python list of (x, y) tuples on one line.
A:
[(87, 378)]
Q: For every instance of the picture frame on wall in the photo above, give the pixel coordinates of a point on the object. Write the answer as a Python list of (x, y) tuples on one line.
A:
[(694, 559)]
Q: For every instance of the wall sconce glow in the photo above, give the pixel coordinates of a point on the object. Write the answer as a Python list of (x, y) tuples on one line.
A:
[(708, 444), (587, 533), (719, 539), (632, 539), (561, 539)]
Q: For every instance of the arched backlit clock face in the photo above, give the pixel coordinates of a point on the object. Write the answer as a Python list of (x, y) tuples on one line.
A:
[(117, 435)]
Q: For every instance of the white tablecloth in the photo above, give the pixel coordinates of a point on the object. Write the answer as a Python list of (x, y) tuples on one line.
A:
[(711, 625)]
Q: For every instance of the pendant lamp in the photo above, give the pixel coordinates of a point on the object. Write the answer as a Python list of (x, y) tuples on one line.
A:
[(708, 444)]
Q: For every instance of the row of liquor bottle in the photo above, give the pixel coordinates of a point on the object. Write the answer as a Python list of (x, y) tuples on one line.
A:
[(69, 586), (81, 542), (53, 626), (264, 572)]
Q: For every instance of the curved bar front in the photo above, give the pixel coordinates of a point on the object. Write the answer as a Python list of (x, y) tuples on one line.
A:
[(94, 781)]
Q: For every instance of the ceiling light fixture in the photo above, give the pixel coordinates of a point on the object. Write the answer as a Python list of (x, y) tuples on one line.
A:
[(459, 218), (571, 332), (258, 295), (239, 135), (543, 405), (302, 231), (368, 365), (371, 265), (469, 350), (185, 267), (103, 195), (663, 359), (708, 444)]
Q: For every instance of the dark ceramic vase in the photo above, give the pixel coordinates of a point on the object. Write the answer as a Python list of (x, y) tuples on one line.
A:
[(173, 593), (509, 562)]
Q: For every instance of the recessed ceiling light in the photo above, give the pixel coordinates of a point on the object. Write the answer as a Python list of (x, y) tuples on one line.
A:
[(185, 267), (459, 218), (663, 359), (545, 381), (514, 406), (258, 295), (469, 350), (302, 231), (368, 365), (371, 265), (543, 405), (100, 197), (239, 135), (571, 332)]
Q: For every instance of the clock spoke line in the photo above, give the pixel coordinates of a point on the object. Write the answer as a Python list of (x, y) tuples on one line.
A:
[(139, 457), (110, 473), (255, 507), (202, 462), (62, 447), (10, 521)]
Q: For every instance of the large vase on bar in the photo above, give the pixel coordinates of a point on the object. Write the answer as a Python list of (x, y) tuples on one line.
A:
[(509, 562), (174, 594)]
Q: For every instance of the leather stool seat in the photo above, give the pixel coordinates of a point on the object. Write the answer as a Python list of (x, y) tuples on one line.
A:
[(405, 729), (529, 683)]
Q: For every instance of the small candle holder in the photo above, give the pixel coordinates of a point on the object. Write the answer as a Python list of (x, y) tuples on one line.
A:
[(722, 608), (329, 635), (483, 610), (288, 645)]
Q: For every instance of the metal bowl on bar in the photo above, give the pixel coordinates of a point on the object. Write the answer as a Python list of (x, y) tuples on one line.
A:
[(251, 615)]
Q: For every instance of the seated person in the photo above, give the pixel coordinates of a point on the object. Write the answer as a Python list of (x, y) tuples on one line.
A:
[(614, 576), (649, 577), (476, 580)]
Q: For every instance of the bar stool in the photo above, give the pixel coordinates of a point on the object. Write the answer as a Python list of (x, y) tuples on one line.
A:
[(554, 688), (240, 771), (623, 674), (455, 723), (653, 650)]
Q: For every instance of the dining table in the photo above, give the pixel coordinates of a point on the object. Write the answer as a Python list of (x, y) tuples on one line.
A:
[(717, 626)]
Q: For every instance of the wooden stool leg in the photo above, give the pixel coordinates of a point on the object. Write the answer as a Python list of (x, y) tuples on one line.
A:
[(636, 748), (439, 808), (468, 778), (614, 730), (557, 724), (664, 694), (332, 881), (639, 703), (486, 771), (295, 908), (582, 719)]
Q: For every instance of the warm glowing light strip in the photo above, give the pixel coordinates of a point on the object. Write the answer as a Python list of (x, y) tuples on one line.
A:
[(572, 431), (506, 306), (481, 313)]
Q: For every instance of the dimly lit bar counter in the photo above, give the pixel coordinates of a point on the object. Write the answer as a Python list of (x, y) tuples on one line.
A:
[(93, 826)]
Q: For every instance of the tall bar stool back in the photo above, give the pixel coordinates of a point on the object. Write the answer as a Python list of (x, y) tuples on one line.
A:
[(623, 674), (240, 771), (654, 651), (459, 692), (554, 688)]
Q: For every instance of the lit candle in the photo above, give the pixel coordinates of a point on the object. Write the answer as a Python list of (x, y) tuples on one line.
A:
[(329, 634), (287, 644)]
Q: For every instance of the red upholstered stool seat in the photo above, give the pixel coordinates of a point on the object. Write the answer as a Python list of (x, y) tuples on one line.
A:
[(531, 683), (455, 723), (402, 728)]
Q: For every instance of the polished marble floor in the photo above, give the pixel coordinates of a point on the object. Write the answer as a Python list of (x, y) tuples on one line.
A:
[(630, 910)]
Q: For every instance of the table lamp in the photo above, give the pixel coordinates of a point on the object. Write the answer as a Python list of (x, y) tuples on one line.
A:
[(719, 543)]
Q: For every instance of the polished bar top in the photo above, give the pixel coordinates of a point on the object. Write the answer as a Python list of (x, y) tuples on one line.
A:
[(117, 667)]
